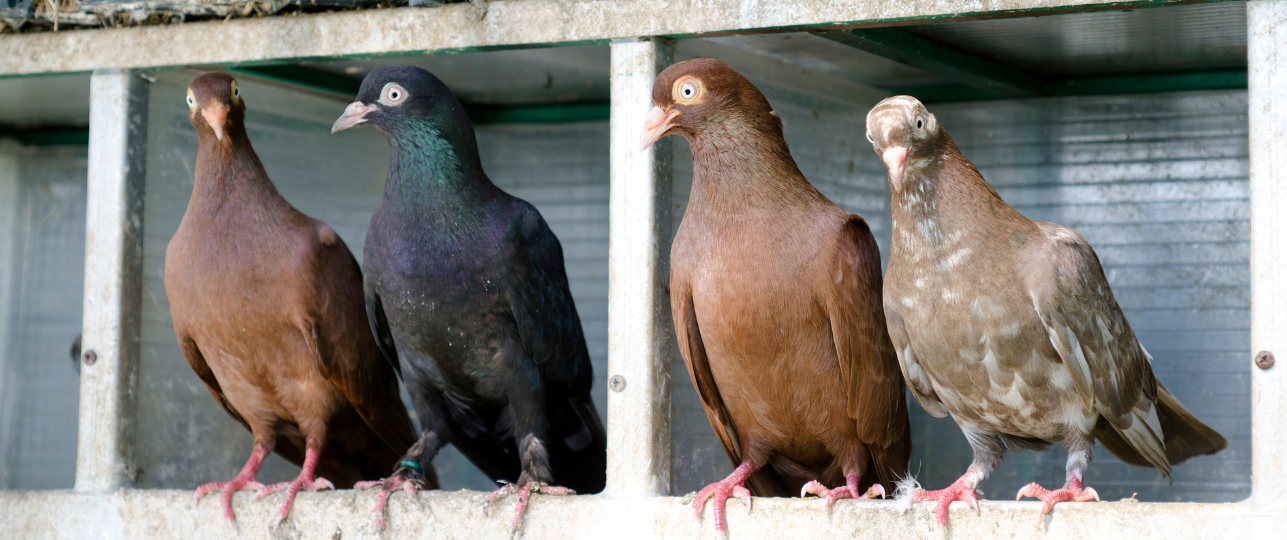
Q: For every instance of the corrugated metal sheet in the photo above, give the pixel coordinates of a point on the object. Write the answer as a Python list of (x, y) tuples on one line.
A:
[(1175, 38), (1158, 184), (41, 274)]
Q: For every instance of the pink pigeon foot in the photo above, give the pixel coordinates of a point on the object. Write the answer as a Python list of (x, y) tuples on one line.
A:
[(304, 481), (244, 480), (1071, 492), (734, 486), (524, 493), (960, 490), (399, 480), (847, 491)]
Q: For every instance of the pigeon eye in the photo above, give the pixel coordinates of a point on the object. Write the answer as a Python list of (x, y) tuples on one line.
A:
[(192, 102), (687, 90), (869, 139), (236, 92), (920, 123)]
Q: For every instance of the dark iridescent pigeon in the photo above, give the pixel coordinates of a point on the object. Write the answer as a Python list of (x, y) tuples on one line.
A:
[(467, 295)]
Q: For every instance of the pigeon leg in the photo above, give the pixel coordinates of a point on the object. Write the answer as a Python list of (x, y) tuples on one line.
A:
[(407, 476), (535, 460), (960, 490), (244, 480), (734, 486), (847, 491), (1072, 490), (304, 481)]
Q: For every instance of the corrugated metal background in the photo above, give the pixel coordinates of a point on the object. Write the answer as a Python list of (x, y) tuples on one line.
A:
[(42, 262)]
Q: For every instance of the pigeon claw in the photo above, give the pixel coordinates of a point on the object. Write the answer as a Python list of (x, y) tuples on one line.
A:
[(524, 493), (387, 487), (721, 491), (958, 491), (843, 492), (227, 490), (1072, 492), (304, 482)]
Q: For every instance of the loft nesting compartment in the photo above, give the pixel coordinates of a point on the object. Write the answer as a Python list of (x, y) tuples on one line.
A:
[(1127, 121)]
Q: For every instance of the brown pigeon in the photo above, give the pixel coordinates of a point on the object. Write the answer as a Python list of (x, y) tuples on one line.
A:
[(775, 293), (1009, 324), (268, 310)]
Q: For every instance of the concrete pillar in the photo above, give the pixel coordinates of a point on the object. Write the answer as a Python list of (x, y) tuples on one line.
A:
[(640, 333), (1267, 119), (113, 280)]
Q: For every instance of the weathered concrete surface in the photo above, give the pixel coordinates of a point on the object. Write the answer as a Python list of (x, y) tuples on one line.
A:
[(162, 514), (458, 27)]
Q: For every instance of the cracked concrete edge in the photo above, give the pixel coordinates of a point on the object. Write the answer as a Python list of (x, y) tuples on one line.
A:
[(457, 27), (346, 514)]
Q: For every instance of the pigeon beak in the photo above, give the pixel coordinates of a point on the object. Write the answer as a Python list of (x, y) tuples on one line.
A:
[(896, 159), (216, 115), (353, 115), (655, 126)]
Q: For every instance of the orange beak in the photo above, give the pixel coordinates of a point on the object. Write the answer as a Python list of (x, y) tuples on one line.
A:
[(896, 160), (655, 126), (216, 115)]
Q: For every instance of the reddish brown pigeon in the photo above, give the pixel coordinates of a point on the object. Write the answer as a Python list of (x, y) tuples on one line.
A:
[(775, 292), (1009, 324), (268, 310)]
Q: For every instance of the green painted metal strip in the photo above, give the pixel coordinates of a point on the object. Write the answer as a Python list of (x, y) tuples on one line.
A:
[(335, 83), (48, 136), (1146, 84), (908, 48)]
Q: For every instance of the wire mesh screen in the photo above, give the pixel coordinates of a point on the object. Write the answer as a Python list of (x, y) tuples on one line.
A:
[(42, 260)]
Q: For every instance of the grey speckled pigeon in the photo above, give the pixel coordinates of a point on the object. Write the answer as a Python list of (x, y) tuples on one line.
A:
[(1009, 324)]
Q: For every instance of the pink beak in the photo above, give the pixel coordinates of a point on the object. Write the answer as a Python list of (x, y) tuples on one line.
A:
[(216, 115), (655, 126), (896, 160), (354, 114)]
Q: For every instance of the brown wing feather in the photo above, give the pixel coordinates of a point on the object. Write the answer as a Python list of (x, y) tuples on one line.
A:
[(197, 362), (872, 377), (764, 482), (349, 356)]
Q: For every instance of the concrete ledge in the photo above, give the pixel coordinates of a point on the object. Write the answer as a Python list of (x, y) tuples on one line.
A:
[(458, 27), (346, 514)]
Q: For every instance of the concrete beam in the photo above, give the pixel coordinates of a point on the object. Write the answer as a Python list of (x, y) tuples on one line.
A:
[(113, 280), (1267, 124), (170, 514), (639, 327), (457, 27)]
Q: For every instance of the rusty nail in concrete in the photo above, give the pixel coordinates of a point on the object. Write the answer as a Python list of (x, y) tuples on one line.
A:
[(1264, 359), (89, 357), (617, 383)]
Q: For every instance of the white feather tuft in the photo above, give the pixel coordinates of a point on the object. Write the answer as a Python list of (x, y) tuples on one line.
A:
[(907, 487)]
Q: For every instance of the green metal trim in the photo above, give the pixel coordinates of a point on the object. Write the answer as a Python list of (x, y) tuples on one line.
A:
[(334, 83), (908, 48), (1151, 83), (48, 136)]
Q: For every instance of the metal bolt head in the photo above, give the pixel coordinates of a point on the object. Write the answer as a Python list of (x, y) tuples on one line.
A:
[(617, 383), (89, 357), (1264, 359)]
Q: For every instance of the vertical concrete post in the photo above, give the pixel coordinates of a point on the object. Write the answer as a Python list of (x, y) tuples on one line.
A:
[(113, 280), (640, 333), (1267, 119)]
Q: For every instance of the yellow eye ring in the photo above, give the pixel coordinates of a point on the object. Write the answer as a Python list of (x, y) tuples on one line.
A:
[(192, 100), (236, 92), (687, 90)]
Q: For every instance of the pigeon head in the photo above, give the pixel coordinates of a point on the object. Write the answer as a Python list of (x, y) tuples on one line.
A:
[(394, 97), (905, 135), (696, 95), (214, 104)]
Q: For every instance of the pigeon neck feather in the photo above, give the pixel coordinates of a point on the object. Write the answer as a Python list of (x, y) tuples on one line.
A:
[(228, 173), (430, 168), (733, 170)]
